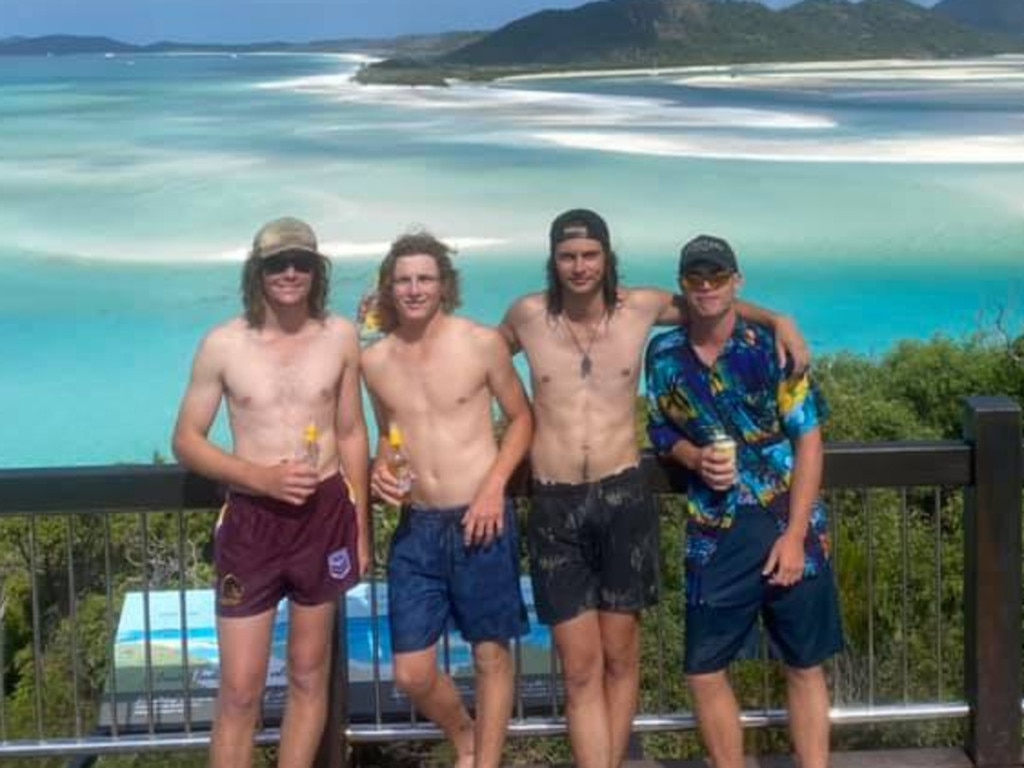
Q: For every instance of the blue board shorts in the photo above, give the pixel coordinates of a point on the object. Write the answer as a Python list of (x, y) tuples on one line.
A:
[(433, 577), (724, 601)]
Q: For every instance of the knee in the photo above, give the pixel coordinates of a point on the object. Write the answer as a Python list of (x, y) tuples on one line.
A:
[(307, 676), (583, 671), (415, 680), (623, 662), (239, 701), (707, 683), (805, 676), (492, 660)]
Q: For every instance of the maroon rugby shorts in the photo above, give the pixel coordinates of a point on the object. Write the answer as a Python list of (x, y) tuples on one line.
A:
[(265, 549)]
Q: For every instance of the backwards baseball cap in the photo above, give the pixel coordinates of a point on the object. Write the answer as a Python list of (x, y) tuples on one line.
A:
[(709, 250), (579, 222), (282, 236)]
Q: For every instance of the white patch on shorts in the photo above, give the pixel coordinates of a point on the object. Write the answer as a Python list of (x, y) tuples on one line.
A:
[(339, 564)]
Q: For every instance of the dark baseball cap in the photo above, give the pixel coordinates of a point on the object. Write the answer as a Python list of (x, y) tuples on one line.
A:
[(710, 250), (579, 222)]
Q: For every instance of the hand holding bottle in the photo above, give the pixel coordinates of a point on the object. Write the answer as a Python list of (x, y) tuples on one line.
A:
[(392, 475), (310, 451)]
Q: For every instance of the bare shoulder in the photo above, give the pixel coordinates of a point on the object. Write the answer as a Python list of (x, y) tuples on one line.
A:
[(343, 328), (224, 338), (526, 309), (375, 354), (483, 337)]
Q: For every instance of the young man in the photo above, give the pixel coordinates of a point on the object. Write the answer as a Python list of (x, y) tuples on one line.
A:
[(455, 553), (748, 430), (295, 520), (592, 532)]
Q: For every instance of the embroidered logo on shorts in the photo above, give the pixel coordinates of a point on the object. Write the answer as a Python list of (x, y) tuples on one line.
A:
[(339, 564), (231, 590)]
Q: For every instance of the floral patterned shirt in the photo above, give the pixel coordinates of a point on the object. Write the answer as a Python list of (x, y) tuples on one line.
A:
[(747, 396)]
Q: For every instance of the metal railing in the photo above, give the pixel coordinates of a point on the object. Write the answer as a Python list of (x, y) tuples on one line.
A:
[(927, 547)]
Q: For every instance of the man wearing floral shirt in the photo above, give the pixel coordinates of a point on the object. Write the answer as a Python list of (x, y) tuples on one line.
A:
[(756, 529)]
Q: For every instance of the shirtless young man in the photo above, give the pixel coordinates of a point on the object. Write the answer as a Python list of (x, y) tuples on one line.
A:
[(295, 520), (592, 533), (455, 552)]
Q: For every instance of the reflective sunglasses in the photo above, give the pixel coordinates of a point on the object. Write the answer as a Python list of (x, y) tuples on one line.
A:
[(300, 261), (694, 281)]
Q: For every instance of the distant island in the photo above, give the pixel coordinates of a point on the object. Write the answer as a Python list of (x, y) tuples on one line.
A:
[(640, 34), (69, 45), (625, 34)]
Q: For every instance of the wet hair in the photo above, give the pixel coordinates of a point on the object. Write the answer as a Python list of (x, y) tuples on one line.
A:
[(414, 244), (254, 297), (609, 283)]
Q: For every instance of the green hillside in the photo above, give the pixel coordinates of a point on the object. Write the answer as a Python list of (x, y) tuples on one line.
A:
[(644, 33), (1005, 16)]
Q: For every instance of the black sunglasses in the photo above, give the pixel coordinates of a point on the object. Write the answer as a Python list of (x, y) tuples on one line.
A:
[(300, 261)]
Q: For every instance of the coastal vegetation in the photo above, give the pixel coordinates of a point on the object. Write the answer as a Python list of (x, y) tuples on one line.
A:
[(913, 392), (646, 34), (1004, 16)]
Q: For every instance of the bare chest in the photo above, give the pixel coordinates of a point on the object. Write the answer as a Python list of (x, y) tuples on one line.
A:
[(437, 387), (564, 360), (265, 376)]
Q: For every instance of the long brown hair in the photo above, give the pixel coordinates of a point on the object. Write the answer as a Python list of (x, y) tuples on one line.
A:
[(555, 293), (254, 299), (413, 244)]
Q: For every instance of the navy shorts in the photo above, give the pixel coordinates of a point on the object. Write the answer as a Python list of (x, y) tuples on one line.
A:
[(593, 546), (803, 621), (433, 577)]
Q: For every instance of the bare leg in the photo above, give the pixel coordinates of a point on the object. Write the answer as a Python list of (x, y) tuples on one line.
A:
[(807, 698), (309, 660), (579, 647), (620, 638), (434, 695), (719, 718), (244, 650), (494, 691)]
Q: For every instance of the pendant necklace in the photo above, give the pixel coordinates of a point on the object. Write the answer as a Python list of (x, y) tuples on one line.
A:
[(586, 363)]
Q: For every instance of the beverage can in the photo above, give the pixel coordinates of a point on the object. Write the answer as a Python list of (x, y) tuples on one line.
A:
[(725, 445)]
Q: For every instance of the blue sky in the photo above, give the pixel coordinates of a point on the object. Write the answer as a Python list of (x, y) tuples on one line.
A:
[(143, 21)]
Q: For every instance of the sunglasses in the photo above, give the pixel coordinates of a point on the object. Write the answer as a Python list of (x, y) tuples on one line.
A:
[(694, 281), (300, 261)]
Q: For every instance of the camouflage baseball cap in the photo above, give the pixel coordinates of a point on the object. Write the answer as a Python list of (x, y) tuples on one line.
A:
[(282, 236)]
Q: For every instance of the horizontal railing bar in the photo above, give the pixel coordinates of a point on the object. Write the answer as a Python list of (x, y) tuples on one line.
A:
[(112, 488), (556, 726), (171, 486), (540, 726), (112, 745)]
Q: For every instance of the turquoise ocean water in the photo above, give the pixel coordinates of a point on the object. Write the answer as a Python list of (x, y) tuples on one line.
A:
[(872, 201)]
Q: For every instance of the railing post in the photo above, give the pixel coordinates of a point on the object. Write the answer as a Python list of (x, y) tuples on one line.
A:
[(333, 749), (992, 582)]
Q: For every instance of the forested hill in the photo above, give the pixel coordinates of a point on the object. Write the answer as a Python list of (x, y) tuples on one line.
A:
[(1006, 16), (665, 32)]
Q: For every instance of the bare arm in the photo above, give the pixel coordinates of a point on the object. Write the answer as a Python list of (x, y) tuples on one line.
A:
[(786, 560), (507, 330), (290, 481), (353, 444), (485, 518), (383, 483), (789, 342), (788, 339)]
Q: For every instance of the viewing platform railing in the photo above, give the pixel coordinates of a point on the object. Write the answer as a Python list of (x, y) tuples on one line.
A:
[(926, 545)]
